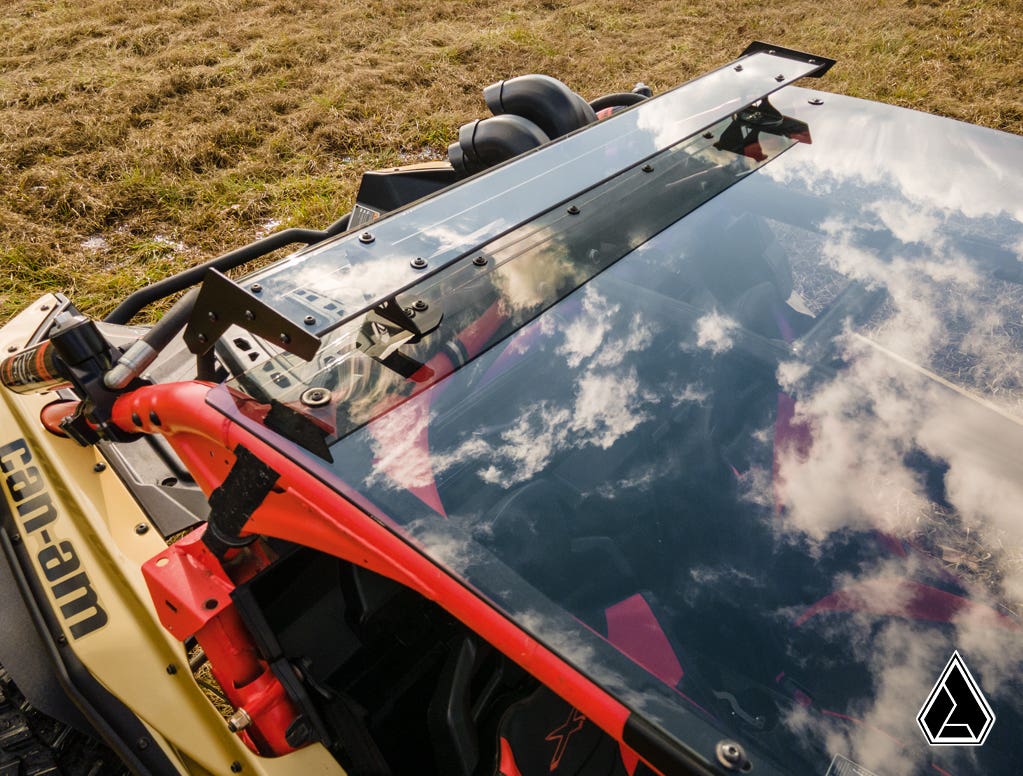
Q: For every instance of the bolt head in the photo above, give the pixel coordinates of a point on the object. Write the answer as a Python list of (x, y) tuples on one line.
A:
[(366, 238), (418, 263), (212, 316), (731, 755), (249, 315), (255, 288), (738, 68), (142, 528), (779, 78), (12, 348), (284, 339), (309, 320), (480, 261), (815, 101), (99, 467), (420, 305)]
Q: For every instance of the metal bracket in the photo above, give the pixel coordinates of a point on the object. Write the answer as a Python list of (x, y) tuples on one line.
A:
[(222, 303), (390, 325)]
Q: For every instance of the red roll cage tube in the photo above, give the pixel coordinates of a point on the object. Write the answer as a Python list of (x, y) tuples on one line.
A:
[(304, 510)]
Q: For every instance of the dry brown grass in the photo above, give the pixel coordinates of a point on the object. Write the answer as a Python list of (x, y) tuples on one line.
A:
[(176, 129)]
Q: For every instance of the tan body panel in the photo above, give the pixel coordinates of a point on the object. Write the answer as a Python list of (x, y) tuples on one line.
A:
[(94, 516)]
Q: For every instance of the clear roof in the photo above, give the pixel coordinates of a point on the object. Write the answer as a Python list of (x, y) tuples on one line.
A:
[(747, 455)]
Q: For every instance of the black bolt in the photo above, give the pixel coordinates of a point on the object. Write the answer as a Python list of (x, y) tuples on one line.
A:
[(572, 210), (648, 168), (172, 669), (211, 315), (15, 538), (480, 261), (249, 315), (410, 312), (708, 135), (815, 101), (143, 743), (236, 767), (154, 418), (136, 419), (61, 638), (210, 603), (201, 337), (738, 68), (418, 263), (309, 320), (11, 348), (99, 467), (142, 528), (366, 238), (420, 305), (779, 78), (255, 288), (44, 307), (284, 339)]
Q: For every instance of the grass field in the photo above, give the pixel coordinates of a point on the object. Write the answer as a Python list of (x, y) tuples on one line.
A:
[(140, 136)]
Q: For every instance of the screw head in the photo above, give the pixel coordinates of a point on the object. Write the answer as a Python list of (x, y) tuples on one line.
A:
[(708, 135), (11, 348), (202, 337), (143, 743), (172, 669), (44, 307), (209, 604), (647, 168), (284, 338), (309, 320), (99, 467), (730, 754), (366, 238), (480, 261), (236, 767), (418, 263), (815, 101), (212, 316), (315, 397), (249, 315), (420, 305), (779, 78), (142, 528), (572, 210), (738, 68), (410, 312), (255, 288)]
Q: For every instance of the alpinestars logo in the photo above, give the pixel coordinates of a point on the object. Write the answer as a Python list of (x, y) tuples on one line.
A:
[(956, 713)]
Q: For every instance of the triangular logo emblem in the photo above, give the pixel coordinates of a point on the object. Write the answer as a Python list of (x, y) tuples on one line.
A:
[(956, 713)]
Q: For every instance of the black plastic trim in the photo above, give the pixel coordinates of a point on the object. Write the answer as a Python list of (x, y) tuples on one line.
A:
[(115, 723)]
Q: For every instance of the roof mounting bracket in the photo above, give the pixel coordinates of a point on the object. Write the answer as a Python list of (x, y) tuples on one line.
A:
[(222, 303)]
